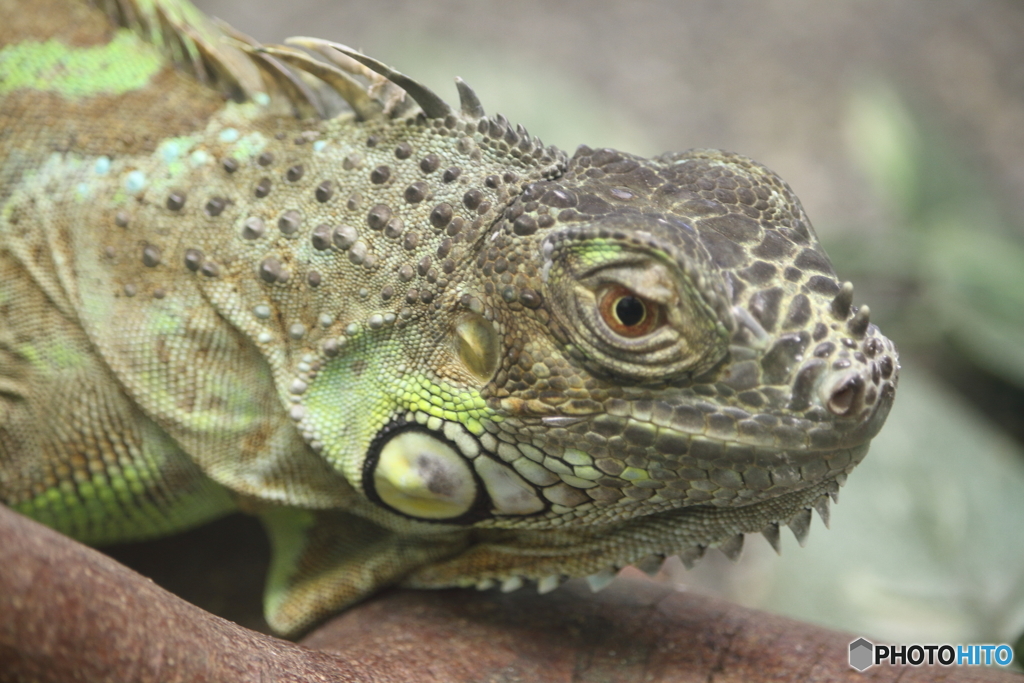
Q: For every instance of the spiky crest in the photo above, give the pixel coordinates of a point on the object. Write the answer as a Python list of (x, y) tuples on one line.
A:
[(220, 56)]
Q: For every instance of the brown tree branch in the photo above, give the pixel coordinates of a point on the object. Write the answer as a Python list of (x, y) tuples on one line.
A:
[(69, 613)]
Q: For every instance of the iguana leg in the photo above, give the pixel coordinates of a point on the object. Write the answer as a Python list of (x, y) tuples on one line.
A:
[(75, 453), (323, 561)]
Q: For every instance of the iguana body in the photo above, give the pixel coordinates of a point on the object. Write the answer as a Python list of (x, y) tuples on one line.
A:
[(424, 348)]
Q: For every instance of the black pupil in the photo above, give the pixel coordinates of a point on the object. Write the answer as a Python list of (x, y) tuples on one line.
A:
[(629, 310)]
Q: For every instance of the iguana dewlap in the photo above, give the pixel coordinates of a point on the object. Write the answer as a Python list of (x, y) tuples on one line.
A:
[(425, 348)]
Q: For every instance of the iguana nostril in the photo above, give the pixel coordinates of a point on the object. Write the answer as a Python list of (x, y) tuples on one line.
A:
[(846, 395)]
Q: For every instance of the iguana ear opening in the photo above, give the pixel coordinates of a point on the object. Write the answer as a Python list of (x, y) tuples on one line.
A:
[(478, 346), (323, 561)]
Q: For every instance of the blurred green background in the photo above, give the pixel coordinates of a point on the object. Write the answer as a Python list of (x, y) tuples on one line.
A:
[(900, 125)]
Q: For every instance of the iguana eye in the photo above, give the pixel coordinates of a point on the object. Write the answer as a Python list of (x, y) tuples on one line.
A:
[(629, 314)]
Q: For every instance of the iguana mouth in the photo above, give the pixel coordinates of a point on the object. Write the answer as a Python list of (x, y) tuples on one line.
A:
[(511, 558), (437, 471), (506, 558)]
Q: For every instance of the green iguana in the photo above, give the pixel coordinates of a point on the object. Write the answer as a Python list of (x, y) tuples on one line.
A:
[(423, 347)]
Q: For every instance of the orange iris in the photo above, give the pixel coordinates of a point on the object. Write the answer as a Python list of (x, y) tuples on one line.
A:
[(629, 314)]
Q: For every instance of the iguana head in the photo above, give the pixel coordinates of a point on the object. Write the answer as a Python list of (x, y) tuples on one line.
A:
[(646, 335), (656, 341), (528, 366)]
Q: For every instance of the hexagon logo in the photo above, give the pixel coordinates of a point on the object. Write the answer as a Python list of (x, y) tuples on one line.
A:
[(861, 654)]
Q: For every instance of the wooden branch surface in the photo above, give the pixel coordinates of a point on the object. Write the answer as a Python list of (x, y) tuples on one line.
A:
[(69, 613)]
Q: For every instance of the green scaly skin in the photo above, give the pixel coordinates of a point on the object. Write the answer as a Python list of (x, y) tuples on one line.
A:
[(424, 348)]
